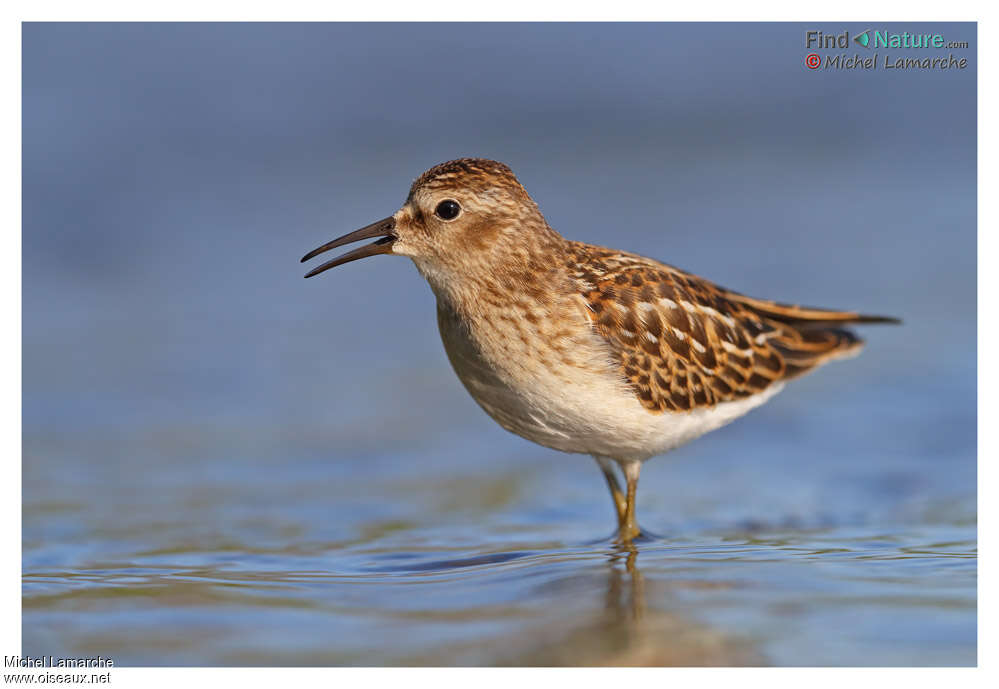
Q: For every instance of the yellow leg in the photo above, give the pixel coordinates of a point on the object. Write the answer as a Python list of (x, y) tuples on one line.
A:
[(628, 528)]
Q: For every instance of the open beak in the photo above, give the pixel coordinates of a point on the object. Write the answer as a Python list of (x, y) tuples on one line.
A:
[(383, 228)]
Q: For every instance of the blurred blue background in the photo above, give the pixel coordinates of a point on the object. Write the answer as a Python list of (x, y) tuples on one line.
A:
[(227, 464)]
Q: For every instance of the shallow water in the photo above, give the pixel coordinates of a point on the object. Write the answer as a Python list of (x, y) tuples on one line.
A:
[(379, 561), (225, 464), (848, 595)]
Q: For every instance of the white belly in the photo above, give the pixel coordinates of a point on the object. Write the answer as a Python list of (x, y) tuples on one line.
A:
[(579, 405)]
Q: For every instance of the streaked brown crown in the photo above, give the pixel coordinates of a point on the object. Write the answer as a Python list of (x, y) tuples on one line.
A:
[(475, 173)]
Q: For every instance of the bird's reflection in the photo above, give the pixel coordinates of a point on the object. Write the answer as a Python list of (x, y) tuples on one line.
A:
[(625, 600), (626, 630)]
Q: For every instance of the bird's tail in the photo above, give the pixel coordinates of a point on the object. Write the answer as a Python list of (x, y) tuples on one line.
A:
[(808, 337)]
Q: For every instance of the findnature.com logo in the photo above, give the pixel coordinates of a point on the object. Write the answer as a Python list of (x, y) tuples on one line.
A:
[(873, 39)]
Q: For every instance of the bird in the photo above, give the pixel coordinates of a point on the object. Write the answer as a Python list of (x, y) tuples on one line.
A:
[(586, 349)]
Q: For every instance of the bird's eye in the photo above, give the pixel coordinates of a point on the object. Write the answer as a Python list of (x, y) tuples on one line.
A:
[(447, 210)]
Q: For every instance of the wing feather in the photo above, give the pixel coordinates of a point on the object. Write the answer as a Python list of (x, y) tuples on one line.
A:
[(684, 343)]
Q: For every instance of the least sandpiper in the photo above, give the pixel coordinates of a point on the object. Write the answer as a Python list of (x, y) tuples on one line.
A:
[(585, 349)]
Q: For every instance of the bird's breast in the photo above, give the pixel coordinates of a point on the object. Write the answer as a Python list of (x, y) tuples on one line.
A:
[(546, 377)]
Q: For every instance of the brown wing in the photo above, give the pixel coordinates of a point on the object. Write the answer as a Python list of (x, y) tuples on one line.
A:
[(684, 343)]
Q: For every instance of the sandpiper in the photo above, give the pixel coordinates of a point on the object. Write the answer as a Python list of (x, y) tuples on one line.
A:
[(586, 349)]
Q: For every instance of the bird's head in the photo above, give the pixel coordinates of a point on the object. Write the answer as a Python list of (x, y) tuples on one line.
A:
[(462, 216)]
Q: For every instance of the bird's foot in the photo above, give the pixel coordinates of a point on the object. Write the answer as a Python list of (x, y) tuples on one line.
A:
[(627, 532)]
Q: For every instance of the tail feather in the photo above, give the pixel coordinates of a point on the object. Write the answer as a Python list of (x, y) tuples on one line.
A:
[(808, 337), (803, 350), (804, 316)]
